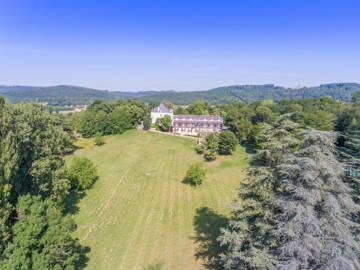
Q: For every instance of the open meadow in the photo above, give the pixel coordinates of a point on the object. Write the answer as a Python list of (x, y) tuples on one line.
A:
[(140, 213)]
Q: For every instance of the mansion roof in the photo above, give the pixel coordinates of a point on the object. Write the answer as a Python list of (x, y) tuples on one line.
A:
[(162, 108)]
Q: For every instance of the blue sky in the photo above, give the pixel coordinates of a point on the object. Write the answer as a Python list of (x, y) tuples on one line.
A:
[(180, 45)]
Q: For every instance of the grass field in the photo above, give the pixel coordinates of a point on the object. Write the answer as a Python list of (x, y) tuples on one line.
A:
[(140, 213)]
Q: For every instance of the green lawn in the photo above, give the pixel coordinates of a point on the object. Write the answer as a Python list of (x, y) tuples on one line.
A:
[(140, 213)]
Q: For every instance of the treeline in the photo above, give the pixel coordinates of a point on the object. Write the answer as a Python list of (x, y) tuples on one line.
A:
[(250, 93), (105, 118), (35, 231), (73, 95)]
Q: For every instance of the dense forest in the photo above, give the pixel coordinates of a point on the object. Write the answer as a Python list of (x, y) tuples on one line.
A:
[(298, 208), (73, 95)]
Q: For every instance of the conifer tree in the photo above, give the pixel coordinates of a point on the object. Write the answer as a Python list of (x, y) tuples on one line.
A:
[(247, 239), (313, 228)]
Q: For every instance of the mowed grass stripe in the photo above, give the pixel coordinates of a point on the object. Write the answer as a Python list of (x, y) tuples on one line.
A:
[(150, 216)]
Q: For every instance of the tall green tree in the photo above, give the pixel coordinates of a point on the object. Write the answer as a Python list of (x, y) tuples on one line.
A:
[(31, 143), (320, 120), (41, 238), (227, 142)]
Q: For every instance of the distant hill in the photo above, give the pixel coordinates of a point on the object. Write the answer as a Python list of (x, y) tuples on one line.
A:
[(62, 94), (71, 95), (249, 93)]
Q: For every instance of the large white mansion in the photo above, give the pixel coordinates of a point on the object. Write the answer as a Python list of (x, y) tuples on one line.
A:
[(187, 123)]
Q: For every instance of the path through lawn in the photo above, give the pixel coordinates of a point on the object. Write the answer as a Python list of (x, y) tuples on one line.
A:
[(139, 212)]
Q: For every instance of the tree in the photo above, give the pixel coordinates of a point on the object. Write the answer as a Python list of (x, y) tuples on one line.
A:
[(199, 108), (210, 155), (263, 114), (247, 240), (211, 146), (31, 142), (356, 98), (147, 122), (99, 140), (195, 174), (313, 222), (41, 238), (82, 173), (110, 118), (320, 120), (212, 142), (227, 142), (163, 123)]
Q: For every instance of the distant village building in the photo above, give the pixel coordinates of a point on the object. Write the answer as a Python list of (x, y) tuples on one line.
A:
[(189, 124), (160, 111), (197, 124)]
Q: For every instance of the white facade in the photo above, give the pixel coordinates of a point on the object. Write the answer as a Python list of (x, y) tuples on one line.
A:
[(160, 111), (197, 124), (156, 115)]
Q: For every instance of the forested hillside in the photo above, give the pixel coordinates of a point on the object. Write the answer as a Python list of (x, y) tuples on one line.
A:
[(72, 95), (61, 94)]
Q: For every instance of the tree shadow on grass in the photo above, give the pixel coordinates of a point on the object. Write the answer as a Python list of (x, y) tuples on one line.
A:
[(70, 208), (71, 202), (84, 259), (207, 225), (190, 182)]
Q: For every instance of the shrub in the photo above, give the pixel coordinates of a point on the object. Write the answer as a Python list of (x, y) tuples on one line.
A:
[(147, 123), (82, 173), (199, 149), (210, 155), (99, 140), (227, 142), (163, 123), (195, 175), (212, 142)]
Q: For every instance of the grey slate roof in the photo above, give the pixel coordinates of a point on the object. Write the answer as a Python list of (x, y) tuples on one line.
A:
[(162, 108)]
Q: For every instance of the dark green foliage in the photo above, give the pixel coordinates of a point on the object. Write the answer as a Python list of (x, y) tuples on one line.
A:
[(195, 175), (227, 142), (356, 98), (106, 118), (263, 114), (41, 238), (320, 120), (238, 117), (99, 140), (211, 146), (147, 122), (82, 173), (163, 123), (210, 155), (212, 142), (199, 149), (200, 108), (31, 143)]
